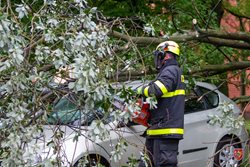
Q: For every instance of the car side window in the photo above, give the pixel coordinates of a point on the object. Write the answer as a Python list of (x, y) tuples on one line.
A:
[(200, 99), (193, 103), (211, 98)]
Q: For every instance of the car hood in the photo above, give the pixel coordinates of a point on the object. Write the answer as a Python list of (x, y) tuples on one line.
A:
[(59, 131), (68, 136), (66, 131), (72, 143)]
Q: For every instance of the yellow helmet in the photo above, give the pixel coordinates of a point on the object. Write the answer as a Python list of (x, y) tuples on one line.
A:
[(169, 46)]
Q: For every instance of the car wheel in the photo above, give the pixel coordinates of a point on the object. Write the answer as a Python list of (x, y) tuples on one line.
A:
[(92, 160), (224, 154)]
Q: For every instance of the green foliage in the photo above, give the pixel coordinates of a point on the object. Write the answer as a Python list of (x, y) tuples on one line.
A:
[(115, 8), (226, 117), (166, 18), (242, 8), (51, 36), (132, 161), (38, 39), (120, 8)]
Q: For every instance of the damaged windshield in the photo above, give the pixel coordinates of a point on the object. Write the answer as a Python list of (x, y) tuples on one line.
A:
[(67, 111)]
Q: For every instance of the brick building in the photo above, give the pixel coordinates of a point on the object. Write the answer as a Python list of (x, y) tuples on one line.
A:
[(231, 23)]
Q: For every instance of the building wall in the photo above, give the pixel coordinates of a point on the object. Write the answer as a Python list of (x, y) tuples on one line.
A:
[(231, 23)]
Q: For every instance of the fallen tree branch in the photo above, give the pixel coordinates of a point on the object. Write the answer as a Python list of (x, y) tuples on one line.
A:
[(235, 40), (224, 42), (209, 70), (241, 99)]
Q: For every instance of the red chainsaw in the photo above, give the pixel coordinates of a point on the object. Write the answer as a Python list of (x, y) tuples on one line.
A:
[(141, 117)]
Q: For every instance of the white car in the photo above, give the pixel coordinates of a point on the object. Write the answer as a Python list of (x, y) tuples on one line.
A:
[(203, 144)]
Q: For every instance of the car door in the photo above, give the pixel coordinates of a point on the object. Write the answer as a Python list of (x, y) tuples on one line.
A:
[(194, 149)]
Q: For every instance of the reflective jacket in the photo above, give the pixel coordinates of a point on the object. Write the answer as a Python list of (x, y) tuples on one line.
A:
[(169, 89)]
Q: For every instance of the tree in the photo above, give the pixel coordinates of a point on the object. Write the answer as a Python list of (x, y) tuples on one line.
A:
[(205, 46), (37, 40), (97, 46)]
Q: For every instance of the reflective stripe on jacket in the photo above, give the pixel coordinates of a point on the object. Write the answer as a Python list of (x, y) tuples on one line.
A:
[(169, 88)]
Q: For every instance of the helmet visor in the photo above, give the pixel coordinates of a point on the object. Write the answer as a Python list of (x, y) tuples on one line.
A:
[(158, 58)]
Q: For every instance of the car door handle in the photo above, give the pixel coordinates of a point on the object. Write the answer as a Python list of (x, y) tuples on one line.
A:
[(208, 121)]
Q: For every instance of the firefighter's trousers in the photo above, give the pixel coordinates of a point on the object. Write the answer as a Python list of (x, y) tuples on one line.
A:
[(162, 152)]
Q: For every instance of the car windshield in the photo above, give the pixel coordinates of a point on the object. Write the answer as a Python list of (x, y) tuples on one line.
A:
[(66, 111)]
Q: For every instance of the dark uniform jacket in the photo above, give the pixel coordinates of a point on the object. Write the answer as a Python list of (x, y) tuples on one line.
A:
[(169, 88)]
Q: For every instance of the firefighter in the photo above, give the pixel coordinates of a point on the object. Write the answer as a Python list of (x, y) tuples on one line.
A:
[(167, 119)]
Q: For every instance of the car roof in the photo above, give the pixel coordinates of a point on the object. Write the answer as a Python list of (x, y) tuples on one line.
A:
[(129, 84), (137, 83), (207, 85)]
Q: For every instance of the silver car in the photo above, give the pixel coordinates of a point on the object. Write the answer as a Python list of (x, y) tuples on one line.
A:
[(203, 144)]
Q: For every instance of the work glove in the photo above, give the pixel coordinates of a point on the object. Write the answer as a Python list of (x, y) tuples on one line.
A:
[(139, 90)]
